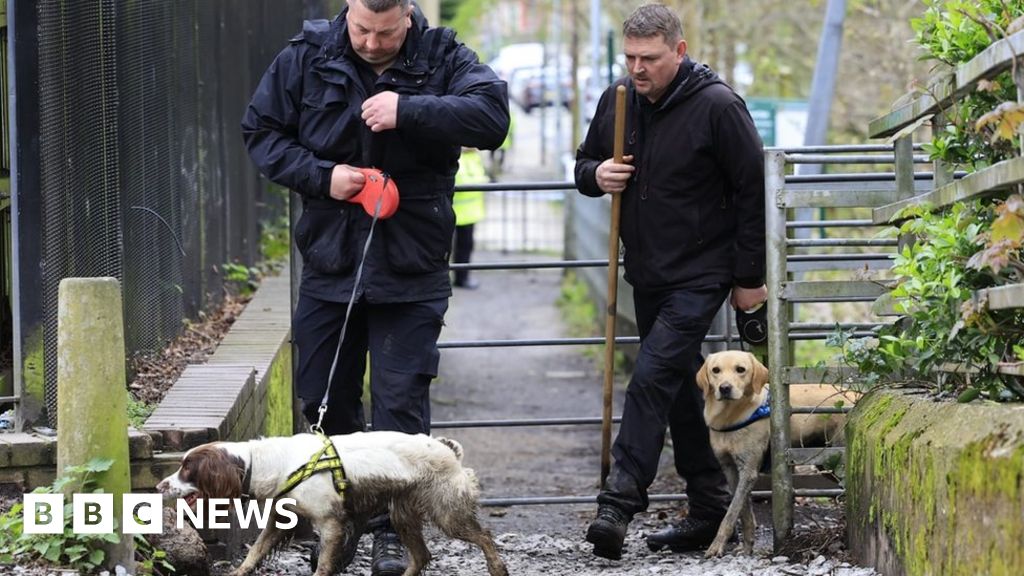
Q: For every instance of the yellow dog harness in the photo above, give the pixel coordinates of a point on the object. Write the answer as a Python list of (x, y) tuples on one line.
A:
[(325, 460)]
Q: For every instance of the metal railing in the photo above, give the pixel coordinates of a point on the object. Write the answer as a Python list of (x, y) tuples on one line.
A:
[(839, 258)]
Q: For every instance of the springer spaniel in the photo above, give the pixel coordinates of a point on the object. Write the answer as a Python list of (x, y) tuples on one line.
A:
[(418, 478)]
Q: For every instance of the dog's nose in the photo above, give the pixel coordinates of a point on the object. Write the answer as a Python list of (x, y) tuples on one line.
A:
[(162, 486), (725, 390)]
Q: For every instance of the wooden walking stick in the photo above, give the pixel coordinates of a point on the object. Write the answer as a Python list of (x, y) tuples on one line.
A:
[(613, 289)]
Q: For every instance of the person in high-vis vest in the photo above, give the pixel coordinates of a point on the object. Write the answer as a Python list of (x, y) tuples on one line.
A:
[(469, 209), (499, 155)]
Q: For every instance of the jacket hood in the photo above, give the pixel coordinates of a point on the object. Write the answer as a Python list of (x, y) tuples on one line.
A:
[(692, 78)]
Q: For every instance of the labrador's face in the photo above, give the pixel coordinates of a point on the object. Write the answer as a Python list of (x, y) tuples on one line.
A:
[(732, 375)]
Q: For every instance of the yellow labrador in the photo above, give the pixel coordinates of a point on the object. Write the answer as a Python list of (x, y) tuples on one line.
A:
[(735, 409)]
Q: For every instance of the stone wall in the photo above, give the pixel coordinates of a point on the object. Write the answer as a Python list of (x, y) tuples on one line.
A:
[(936, 487)]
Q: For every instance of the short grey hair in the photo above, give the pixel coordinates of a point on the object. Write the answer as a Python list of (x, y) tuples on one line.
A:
[(383, 5), (652, 20)]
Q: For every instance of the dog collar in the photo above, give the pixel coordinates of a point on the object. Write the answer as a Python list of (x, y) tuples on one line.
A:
[(763, 411), (325, 460)]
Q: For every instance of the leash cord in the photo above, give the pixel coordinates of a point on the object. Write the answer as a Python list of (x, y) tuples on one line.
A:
[(318, 428)]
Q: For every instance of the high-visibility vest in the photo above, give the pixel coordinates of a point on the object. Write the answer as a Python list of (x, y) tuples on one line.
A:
[(469, 206)]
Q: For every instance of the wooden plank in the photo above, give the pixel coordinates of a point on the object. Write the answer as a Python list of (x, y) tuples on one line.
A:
[(815, 375), (942, 91), (1001, 297), (836, 289), (994, 179)]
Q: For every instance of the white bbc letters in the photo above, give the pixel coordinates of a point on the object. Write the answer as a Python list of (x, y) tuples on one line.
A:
[(92, 513), (43, 514), (142, 514)]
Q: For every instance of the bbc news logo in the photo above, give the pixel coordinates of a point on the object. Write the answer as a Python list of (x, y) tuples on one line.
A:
[(143, 513)]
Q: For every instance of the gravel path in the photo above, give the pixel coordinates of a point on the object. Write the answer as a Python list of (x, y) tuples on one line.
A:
[(552, 382), (516, 462)]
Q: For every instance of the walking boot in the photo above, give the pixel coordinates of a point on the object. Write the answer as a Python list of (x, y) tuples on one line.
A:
[(608, 531), (348, 553), (388, 558), (688, 535)]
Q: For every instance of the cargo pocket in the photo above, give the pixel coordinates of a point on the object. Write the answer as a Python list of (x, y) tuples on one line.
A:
[(419, 235), (321, 235)]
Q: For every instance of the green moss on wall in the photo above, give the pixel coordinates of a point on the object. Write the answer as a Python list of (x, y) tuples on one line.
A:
[(942, 484), (278, 419), (33, 377)]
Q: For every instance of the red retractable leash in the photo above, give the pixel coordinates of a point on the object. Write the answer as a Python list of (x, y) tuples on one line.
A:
[(379, 197)]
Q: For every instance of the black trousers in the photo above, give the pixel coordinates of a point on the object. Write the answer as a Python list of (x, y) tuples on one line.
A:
[(462, 252), (401, 339), (663, 394)]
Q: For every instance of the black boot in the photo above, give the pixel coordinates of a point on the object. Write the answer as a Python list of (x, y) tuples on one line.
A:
[(608, 531), (388, 554), (348, 553), (689, 535)]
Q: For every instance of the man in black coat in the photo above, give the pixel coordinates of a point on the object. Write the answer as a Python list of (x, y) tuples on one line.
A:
[(693, 229), (374, 88)]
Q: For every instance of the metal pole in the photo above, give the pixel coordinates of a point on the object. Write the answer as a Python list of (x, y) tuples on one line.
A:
[(26, 212), (559, 136), (822, 90), (778, 347)]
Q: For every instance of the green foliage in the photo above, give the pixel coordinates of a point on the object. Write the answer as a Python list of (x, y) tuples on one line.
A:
[(275, 240), (77, 551), (941, 326), (953, 32), (151, 560), (82, 552), (577, 307), (138, 411), (959, 144), (244, 279)]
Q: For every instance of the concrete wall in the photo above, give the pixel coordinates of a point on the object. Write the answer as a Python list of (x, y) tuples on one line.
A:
[(936, 487)]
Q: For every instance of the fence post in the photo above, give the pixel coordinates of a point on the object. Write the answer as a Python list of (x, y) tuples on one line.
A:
[(778, 345), (91, 393)]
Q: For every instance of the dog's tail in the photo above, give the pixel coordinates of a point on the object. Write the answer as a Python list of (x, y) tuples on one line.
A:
[(455, 446)]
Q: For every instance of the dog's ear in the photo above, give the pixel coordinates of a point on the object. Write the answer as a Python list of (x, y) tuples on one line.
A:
[(217, 473), (702, 377), (759, 378)]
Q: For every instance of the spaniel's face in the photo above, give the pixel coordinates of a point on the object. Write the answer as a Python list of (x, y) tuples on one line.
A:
[(207, 471), (732, 375)]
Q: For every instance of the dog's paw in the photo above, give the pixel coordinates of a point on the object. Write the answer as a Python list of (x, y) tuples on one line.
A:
[(715, 550)]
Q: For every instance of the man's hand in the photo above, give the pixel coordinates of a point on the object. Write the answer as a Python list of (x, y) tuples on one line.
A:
[(612, 177), (346, 181), (380, 112), (747, 298)]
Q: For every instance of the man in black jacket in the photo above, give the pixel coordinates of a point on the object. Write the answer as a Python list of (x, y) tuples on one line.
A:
[(374, 88), (692, 226)]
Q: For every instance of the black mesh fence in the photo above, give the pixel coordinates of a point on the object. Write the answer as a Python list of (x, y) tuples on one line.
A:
[(142, 172)]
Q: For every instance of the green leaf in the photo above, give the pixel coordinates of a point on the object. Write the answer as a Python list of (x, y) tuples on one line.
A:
[(968, 395), (96, 557)]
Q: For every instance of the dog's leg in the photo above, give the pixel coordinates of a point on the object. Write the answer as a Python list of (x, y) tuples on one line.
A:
[(332, 537), (268, 539), (749, 525), (409, 525), (744, 483), (463, 524)]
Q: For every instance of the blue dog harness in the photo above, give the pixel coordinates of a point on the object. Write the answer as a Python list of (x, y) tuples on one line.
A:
[(763, 411)]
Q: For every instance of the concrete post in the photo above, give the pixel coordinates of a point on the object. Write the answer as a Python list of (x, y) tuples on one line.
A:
[(91, 393)]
